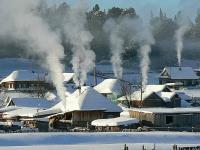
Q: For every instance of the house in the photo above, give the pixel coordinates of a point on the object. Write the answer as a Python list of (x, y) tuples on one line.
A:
[(115, 124), (24, 80), (111, 88), (152, 96), (167, 117), (84, 106), (184, 75)]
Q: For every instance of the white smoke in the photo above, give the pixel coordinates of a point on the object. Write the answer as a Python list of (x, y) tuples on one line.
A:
[(83, 59), (20, 22), (180, 32), (183, 27), (141, 33), (144, 63), (116, 46)]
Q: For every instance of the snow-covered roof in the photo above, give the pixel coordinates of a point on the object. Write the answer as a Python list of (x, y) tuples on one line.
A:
[(68, 76), (155, 88), (90, 99), (32, 102), (125, 114), (119, 121), (167, 110), (137, 96), (22, 112), (9, 108), (23, 75), (166, 96), (183, 73), (108, 86), (183, 95)]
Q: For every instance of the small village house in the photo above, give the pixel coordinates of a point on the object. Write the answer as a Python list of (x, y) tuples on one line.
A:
[(24, 80), (184, 75), (84, 106)]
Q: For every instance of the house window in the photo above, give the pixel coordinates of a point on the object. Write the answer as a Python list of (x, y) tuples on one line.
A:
[(169, 119)]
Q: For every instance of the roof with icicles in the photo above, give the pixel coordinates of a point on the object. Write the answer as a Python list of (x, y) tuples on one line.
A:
[(90, 99), (23, 75), (108, 86), (179, 73)]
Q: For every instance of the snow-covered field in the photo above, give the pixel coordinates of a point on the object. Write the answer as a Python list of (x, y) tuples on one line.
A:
[(97, 141)]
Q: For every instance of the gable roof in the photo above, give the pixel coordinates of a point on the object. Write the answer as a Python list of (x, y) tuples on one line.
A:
[(177, 73), (166, 96), (68, 76), (89, 99), (108, 86), (23, 75)]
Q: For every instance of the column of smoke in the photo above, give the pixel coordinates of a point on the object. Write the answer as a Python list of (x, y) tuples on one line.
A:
[(83, 59), (179, 35), (116, 46), (144, 63), (146, 40), (19, 22)]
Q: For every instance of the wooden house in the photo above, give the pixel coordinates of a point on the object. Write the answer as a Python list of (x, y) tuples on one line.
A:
[(184, 75), (84, 106), (167, 117)]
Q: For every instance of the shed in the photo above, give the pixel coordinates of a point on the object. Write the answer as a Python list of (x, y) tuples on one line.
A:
[(167, 117)]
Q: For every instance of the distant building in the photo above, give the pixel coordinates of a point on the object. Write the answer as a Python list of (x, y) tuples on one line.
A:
[(29, 81), (111, 88), (24, 80), (167, 117), (153, 96), (184, 75)]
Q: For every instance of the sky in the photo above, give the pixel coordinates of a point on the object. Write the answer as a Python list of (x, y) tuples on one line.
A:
[(144, 7)]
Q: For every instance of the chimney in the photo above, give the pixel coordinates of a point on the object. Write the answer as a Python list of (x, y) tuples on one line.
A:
[(79, 88), (180, 67), (94, 75)]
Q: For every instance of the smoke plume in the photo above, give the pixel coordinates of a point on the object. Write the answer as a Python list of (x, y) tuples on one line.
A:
[(140, 32), (183, 27), (19, 21), (83, 59), (116, 46)]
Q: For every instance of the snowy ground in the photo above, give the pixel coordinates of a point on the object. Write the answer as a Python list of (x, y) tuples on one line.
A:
[(99, 141)]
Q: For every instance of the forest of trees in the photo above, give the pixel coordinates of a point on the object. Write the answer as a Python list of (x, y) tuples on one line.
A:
[(163, 28)]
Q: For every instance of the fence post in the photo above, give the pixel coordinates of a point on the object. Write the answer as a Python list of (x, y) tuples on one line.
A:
[(143, 148), (174, 147), (154, 147)]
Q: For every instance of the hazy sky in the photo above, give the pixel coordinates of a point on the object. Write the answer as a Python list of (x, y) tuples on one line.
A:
[(143, 7)]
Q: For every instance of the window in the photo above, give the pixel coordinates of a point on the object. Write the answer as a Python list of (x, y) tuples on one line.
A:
[(169, 119)]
